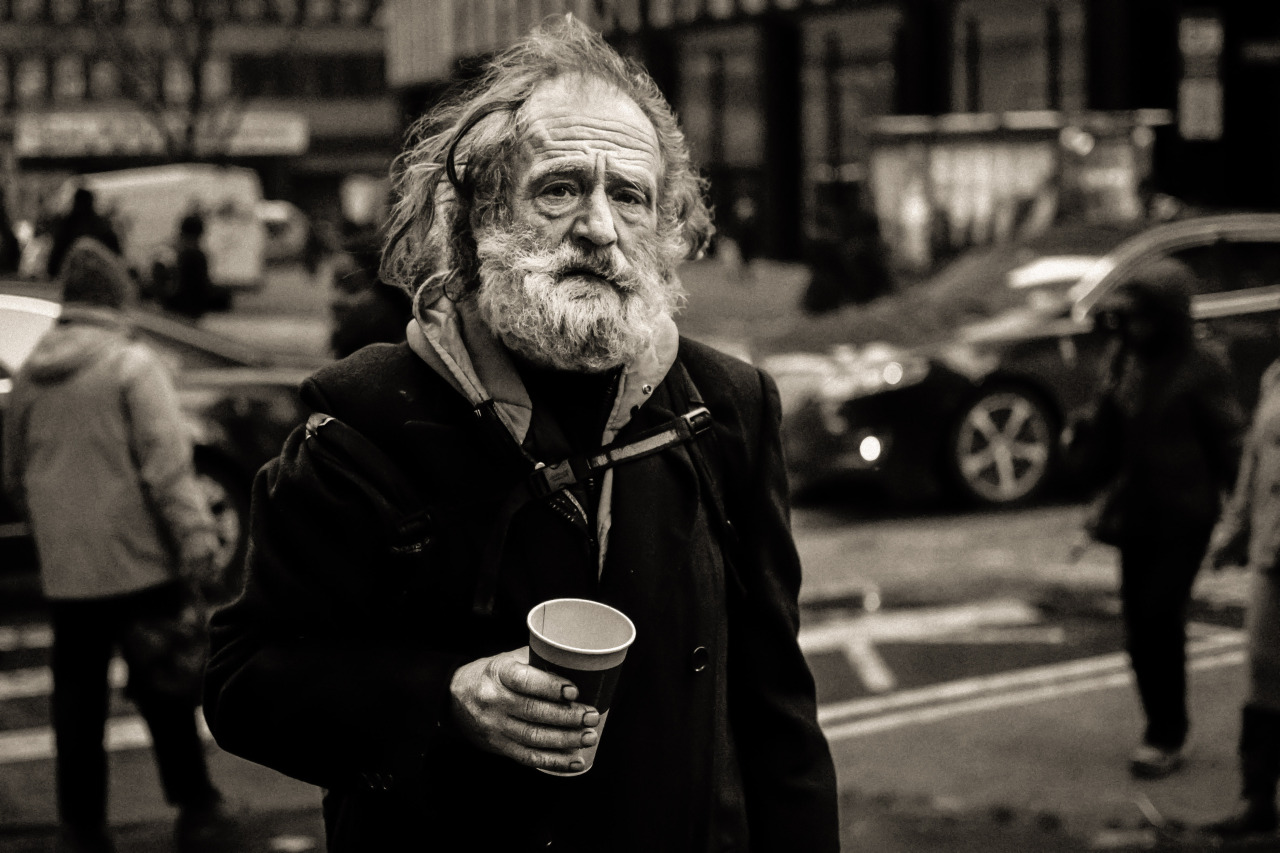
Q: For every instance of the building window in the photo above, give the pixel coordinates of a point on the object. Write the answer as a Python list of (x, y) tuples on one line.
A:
[(320, 11), (104, 80), (177, 81), (144, 85), (217, 79), (31, 84), (354, 11), (28, 10), (139, 10), (66, 11), (1016, 55), (847, 80), (68, 78), (720, 104), (6, 81), (249, 10)]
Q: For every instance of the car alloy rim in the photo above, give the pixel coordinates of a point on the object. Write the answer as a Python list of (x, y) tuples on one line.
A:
[(1003, 447)]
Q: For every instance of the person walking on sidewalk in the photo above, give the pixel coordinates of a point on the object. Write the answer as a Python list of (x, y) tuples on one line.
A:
[(1168, 415), (544, 432), (1248, 534), (96, 453)]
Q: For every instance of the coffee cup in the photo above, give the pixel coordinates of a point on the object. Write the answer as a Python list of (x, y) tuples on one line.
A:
[(585, 642)]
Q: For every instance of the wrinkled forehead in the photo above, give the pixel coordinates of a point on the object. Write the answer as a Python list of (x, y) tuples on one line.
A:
[(575, 119)]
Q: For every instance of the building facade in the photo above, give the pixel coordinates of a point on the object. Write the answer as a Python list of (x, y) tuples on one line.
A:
[(955, 121), (293, 88)]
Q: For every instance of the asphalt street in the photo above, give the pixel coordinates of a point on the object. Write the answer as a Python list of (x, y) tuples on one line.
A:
[(971, 681)]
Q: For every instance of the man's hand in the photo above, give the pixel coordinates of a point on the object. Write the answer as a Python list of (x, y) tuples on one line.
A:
[(505, 706)]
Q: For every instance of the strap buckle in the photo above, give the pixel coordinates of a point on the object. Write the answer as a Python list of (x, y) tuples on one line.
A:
[(547, 479), (698, 420)]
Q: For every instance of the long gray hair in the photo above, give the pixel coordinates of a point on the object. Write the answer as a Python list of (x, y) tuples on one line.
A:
[(455, 174)]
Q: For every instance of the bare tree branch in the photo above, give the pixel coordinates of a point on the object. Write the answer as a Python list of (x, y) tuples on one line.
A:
[(184, 33)]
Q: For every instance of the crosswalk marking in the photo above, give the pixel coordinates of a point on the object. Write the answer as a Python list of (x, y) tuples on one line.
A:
[(122, 733), (966, 623), (15, 637), (38, 681), (1006, 621)]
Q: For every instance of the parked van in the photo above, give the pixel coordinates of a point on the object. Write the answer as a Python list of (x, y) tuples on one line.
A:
[(147, 204)]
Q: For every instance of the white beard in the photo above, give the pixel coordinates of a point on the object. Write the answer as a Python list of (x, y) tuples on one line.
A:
[(572, 309)]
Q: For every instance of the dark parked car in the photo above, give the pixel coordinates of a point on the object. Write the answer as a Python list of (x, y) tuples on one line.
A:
[(240, 406), (980, 413)]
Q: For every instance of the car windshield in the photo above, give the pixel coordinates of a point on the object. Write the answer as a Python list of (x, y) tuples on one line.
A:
[(1036, 272)]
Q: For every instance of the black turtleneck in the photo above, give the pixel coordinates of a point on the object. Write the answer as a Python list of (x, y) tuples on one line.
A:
[(577, 404)]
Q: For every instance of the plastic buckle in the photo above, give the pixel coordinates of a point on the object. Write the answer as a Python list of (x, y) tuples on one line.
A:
[(548, 479), (698, 420)]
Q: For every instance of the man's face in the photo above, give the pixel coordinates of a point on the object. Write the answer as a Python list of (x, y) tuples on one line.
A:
[(578, 276), (590, 169)]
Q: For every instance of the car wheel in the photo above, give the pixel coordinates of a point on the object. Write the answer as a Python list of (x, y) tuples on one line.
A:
[(1002, 447), (229, 503)]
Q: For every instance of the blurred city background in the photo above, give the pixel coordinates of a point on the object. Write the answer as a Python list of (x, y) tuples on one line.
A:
[(919, 204)]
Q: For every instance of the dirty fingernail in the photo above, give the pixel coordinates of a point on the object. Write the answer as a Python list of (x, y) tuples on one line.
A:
[(590, 718), (589, 737), (568, 693)]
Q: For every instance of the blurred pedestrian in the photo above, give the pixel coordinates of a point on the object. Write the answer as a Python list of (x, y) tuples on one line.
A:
[(96, 453), (191, 294), (364, 309), (1168, 417), (83, 220), (10, 246), (380, 646), (1248, 534)]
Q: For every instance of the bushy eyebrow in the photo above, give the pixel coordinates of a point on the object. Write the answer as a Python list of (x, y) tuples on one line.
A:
[(579, 171)]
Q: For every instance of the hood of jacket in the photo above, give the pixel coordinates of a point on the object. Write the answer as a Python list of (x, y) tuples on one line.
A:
[(81, 337)]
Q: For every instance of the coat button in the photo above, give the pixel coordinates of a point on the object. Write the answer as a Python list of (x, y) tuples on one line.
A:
[(699, 658)]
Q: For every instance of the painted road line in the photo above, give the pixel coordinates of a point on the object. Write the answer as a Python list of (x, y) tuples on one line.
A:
[(950, 691), (15, 637), (122, 734), (916, 624), (38, 680), (856, 638), (1042, 693)]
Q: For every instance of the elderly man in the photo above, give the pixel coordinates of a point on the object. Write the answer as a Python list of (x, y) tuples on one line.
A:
[(543, 433)]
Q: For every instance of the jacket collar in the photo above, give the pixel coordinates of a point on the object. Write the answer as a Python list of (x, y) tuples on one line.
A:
[(452, 339)]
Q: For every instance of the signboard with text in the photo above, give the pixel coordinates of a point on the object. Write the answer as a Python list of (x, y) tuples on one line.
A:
[(131, 134)]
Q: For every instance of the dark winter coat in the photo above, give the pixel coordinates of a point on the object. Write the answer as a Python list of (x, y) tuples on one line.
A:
[(1170, 416), (333, 667)]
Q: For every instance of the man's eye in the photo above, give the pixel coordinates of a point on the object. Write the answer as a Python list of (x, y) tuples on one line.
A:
[(559, 191), (629, 197)]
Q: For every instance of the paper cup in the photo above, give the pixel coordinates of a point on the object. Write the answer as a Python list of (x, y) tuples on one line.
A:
[(585, 642)]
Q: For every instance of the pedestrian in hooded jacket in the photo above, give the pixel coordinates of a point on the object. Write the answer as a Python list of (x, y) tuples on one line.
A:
[(97, 455), (1248, 534), (1168, 414), (447, 484)]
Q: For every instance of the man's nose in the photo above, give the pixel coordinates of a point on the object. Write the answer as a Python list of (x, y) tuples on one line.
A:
[(595, 220)]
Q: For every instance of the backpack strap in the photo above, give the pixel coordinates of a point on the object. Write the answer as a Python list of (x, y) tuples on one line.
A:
[(406, 518), (711, 485), (545, 480)]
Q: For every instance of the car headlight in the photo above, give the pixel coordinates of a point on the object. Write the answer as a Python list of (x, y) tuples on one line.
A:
[(862, 377)]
